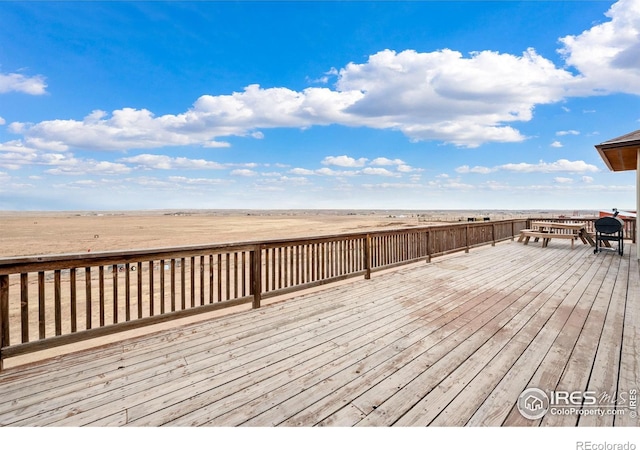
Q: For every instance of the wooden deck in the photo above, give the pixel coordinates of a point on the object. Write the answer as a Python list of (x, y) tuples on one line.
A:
[(451, 342)]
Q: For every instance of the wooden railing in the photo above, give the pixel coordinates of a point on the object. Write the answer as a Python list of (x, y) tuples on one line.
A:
[(52, 300)]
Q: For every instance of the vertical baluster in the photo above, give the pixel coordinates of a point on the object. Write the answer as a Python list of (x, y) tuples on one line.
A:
[(313, 262), (266, 270), (210, 278), (274, 269), (127, 292), (57, 301), (101, 293), (292, 264), (219, 277), (24, 306), (355, 253), (183, 284), (193, 281), (235, 274), (228, 275), (305, 263), (370, 245), (114, 274), (285, 266), (173, 284), (297, 256), (279, 267), (347, 257), (5, 340), (244, 273), (385, 250), (394, 248), (162, 276), (87, 299), (72, 286), (351, 251), (139, 270), (201, 280), (375, 251), (41, 306), (324, 272), (151, 290)]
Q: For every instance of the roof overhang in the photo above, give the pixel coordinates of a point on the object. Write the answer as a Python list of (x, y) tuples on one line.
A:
[(621, 153)]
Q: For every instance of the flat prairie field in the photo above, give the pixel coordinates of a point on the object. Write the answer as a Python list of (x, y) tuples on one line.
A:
[(25, 234)]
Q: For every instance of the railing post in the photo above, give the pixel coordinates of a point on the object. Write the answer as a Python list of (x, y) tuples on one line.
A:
[(367, 257), (256, 273), (493, 234), (4, 315), (466, 239), (428, 248)]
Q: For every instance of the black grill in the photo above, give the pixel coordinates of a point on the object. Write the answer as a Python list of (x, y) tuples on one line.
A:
[(609, 229)]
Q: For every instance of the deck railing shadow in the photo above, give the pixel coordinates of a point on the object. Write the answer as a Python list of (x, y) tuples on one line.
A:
[(52, 300)]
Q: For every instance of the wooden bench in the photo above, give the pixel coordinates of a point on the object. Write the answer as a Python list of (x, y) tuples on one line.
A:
[(525, 235)]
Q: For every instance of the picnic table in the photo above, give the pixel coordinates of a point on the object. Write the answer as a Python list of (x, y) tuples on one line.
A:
[(558, 230)]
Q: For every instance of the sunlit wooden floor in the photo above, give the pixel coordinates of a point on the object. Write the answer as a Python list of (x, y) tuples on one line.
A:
[(451, 342)]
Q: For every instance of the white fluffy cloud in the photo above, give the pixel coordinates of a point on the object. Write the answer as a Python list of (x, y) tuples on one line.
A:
[(443, 95), (210, 117), (439, 95), (477, 169), (567, 132), (65, 165), (16, 154), (561, 165), (608, 54), (382, 161), (244, 173), (344, 161), (373, 167), (446, 96), (16, 82), (147, 161), (379, 171)]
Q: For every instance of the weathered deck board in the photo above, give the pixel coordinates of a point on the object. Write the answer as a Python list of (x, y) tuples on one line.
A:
[(452, 342), (486, 367)]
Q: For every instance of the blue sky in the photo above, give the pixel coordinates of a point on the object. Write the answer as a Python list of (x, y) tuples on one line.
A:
[(367, 105)]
